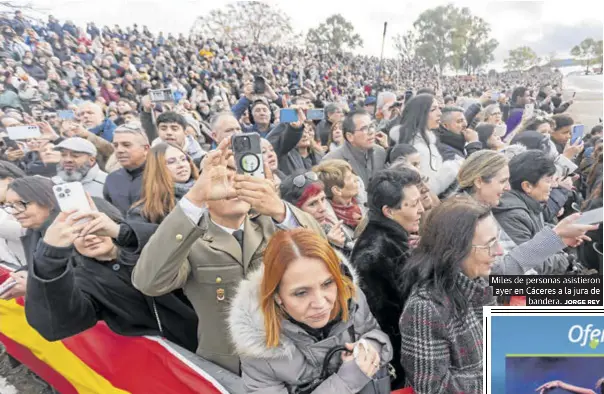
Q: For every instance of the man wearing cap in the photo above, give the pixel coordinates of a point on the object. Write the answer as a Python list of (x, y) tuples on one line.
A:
[(78, 164), (333, 114), (258, 107), (369, 105)]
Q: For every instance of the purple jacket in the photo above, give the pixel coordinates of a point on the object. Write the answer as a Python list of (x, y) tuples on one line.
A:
[(514, 119)]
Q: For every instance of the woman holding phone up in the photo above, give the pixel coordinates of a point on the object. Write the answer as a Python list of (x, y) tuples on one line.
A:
[(81, 274)]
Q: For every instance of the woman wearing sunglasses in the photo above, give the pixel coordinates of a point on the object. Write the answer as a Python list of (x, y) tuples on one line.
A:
[(297, 320), (307, 192)]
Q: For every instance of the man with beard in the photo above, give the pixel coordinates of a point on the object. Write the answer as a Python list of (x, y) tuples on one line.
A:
[(78, 164)]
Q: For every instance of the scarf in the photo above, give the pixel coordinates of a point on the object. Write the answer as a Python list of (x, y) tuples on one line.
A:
[(180, 189), (350, 214)]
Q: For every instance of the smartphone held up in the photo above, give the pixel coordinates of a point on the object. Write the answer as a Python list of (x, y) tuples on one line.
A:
[(72, 197), (290, 115), (247, 151)]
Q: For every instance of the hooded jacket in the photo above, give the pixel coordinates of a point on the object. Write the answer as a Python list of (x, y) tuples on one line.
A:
[(299, 356), (379, 254), (521, 218)]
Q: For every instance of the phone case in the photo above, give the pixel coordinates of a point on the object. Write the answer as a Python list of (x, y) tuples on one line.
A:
[(577, 133), (288, 115), (314, 114), (23, 132), (71, 196), (248, 160), (591, 217)]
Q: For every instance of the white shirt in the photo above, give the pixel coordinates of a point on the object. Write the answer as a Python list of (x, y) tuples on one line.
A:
[(194, 213)]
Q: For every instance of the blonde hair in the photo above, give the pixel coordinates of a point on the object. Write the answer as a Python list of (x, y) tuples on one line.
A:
[(484, 164), (332, 173)]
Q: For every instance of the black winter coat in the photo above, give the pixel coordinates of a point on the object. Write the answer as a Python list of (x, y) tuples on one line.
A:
[(68, 293), (284, 139), (378, 256)]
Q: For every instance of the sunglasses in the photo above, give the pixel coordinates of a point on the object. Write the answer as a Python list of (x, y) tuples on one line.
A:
[(300, 180)]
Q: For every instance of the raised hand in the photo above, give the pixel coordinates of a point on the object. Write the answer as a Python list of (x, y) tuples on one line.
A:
[(215, 181), (63, 230)]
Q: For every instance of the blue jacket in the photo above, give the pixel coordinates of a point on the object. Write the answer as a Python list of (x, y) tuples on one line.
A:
[(105, 129)]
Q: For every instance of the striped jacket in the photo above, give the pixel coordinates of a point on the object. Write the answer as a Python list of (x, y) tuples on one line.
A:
[(442, 353)]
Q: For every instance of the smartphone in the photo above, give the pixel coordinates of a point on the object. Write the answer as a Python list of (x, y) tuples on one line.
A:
[(315, 114), (66, 115), (259, 85), (500, 130), (23, 132), (248, 154), (288, 115), (591, 217), (7, 285), (71, 196), (495, 96), (161, 95), (577, 133), (529, 109)]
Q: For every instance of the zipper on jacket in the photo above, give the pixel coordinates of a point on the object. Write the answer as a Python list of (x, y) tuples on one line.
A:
[(157, 317)]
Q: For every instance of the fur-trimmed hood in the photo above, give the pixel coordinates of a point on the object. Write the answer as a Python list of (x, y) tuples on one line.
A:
[(246, 320)]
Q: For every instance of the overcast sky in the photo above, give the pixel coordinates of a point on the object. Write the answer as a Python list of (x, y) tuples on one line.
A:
[(545, 26)]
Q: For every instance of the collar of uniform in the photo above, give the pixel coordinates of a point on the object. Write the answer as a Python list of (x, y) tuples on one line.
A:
[(228, 229)]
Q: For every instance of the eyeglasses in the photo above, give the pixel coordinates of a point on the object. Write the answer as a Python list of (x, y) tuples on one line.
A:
[(370, 128), (16, 208), (300, 180), (491, 246)]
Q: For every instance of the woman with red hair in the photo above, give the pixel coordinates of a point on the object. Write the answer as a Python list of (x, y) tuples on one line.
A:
[(305, 190), (300, 324)]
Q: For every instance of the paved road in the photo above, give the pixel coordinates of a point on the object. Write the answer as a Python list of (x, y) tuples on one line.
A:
[(587, 108)]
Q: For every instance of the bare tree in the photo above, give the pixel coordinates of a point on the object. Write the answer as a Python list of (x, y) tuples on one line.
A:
[(248, 22), (405, 45)]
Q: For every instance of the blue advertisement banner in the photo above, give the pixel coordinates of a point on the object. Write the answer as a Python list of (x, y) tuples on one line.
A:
[(530, 351)]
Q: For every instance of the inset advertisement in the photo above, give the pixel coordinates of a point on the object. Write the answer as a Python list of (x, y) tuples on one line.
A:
[(543, 350)]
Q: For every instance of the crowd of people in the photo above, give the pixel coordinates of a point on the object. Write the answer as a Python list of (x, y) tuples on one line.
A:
[(359, 264)]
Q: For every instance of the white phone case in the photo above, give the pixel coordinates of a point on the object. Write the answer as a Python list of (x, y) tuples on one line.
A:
[(71, 196), (23, 132)]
